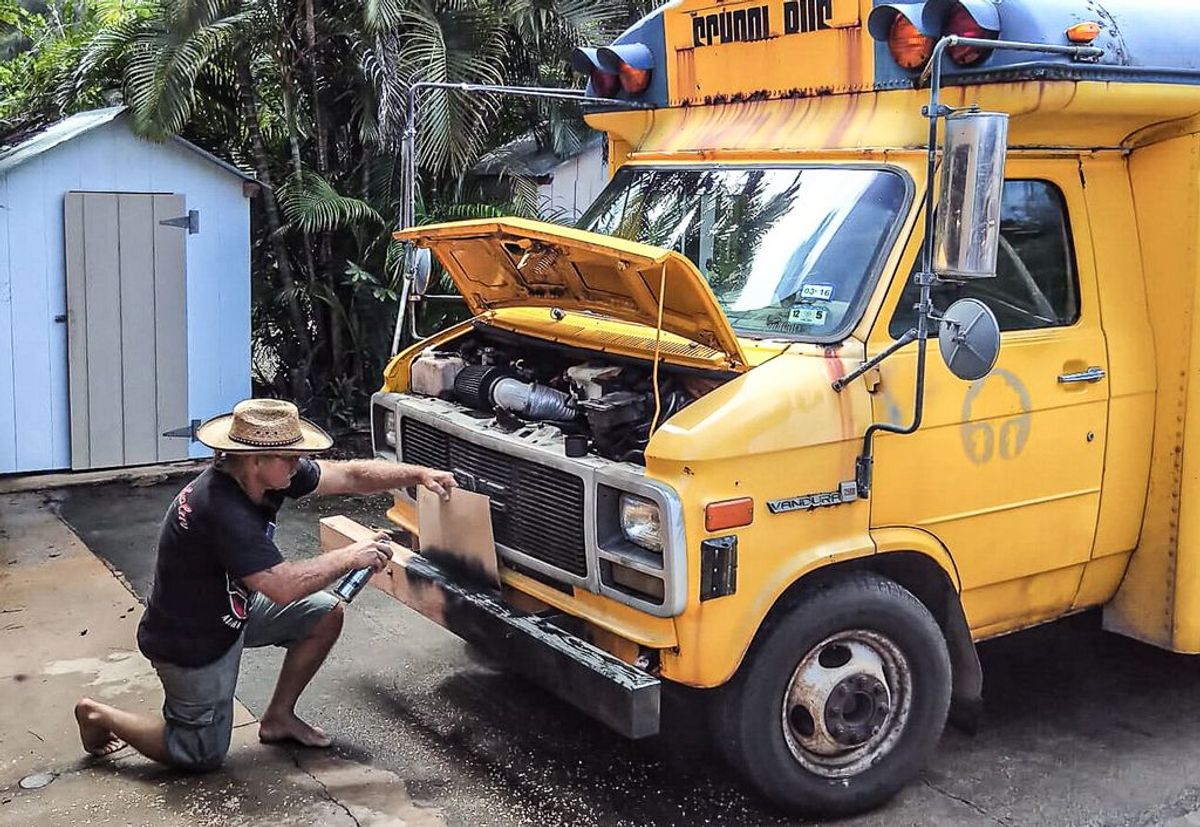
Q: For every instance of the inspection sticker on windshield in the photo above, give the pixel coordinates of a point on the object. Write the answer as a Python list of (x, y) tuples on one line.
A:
[(824, 292), (807, 315)]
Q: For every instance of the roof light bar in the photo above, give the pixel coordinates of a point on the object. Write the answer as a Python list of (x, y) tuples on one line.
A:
[(625, 66)]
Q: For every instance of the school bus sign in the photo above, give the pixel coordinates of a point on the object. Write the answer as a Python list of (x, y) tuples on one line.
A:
[(754, 23), (715, 46)]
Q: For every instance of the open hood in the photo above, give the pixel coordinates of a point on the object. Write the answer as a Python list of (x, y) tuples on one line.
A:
[(513, 262)]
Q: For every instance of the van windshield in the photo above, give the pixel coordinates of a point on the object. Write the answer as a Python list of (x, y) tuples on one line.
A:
[(789, 252)]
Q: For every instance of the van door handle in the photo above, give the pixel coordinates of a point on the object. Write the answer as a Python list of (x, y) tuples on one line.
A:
[(1092, 374)]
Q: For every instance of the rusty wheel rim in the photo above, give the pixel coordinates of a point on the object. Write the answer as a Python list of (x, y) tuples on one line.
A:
[(847, 703)]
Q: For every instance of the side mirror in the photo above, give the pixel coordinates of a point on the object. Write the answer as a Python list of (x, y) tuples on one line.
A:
[(969, 339), (421, 265), (967, 234)]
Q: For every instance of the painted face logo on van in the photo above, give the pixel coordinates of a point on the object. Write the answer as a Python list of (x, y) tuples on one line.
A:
[(982, 440)]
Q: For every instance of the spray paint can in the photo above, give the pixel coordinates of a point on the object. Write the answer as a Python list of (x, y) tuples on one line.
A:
[(350, 585)]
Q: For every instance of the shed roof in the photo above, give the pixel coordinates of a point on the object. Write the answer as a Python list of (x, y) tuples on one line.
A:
[(521, 156), (72, 127)]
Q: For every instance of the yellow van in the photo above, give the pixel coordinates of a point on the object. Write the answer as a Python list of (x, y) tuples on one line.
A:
[(715, 451)]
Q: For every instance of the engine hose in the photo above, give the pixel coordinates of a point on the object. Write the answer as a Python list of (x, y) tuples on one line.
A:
[(534, 401)]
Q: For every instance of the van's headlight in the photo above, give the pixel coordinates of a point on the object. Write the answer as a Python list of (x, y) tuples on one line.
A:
[(641, 522), (389, 428)]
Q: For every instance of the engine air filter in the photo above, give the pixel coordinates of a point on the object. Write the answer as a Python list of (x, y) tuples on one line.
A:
[(473, 385)]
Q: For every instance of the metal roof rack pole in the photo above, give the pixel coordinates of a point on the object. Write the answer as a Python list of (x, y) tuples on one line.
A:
[(935, 61), (408, 162)]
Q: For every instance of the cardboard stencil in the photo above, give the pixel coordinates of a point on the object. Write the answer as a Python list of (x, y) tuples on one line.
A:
[(457, 534)]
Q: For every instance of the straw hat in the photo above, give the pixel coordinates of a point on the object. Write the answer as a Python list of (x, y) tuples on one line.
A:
[(263, 426)]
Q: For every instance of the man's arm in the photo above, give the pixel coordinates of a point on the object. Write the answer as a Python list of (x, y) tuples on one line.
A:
[(290, 581), (372, 476)]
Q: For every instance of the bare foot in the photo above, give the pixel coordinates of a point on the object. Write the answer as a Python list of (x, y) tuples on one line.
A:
[(97, 740), (273, 729)]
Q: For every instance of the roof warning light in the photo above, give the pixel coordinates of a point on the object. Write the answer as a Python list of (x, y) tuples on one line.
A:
[(1083, 33), (625, 66)]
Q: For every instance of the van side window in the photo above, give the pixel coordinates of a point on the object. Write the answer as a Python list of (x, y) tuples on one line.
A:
[(1036, 285)]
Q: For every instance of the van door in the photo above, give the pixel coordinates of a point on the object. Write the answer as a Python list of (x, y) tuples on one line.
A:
[(1006, 471)]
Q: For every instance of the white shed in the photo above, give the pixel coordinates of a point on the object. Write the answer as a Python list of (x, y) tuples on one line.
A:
[(124, 295), (575, 182), (566, 186)]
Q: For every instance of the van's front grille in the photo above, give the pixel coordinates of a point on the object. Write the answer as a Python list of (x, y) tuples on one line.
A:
[(536, 510)]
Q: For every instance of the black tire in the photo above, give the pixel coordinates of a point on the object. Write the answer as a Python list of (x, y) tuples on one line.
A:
[(887, 632)]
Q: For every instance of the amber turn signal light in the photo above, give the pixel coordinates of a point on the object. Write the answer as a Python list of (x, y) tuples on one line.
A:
[(634, 81), (910, 49), (1083, 32), (728, 514), (632, 62)]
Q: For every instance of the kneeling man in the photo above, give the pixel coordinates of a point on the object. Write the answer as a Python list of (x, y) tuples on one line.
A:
[(221, 584)]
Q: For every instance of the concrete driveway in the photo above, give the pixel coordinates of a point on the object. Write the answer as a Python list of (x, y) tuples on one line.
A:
[(66, 630), (1080, 727)]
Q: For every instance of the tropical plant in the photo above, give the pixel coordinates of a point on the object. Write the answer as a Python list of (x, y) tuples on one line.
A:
[(312, 96), (39, 51)]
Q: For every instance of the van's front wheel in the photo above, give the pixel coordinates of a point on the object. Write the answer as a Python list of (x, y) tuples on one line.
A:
[(841, 702)]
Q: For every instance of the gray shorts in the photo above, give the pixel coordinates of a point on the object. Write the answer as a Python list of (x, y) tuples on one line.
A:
[(199, 701)]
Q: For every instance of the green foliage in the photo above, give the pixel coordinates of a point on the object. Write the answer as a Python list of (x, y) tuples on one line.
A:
[(38, 55), (314, 206), (311, 95), (446, 41)]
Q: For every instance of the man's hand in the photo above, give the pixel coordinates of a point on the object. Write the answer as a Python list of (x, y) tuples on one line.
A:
[(293, 579), (439, 482), (372, 476), (370, 554)]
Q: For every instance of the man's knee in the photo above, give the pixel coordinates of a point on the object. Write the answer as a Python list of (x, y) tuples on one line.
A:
[(200, 755), (201, 762), (198, 739)]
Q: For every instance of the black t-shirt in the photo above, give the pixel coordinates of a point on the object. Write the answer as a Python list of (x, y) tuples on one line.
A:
[(212, 536)]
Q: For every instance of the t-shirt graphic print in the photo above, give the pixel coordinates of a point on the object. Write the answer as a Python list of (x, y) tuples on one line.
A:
[(239, 604)]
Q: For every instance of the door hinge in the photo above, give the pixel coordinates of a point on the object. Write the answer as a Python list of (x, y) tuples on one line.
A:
[(186, 432), (190, 222), (718, 567)]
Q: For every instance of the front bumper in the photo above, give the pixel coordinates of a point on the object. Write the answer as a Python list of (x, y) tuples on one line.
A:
[(608, 689)]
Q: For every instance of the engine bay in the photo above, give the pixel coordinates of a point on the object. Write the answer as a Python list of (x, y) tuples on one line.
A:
[(602, 403)]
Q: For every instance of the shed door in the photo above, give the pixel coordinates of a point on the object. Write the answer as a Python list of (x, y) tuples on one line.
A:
[(127, 328)]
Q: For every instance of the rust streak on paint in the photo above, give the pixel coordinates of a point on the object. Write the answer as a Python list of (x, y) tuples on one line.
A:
[(835, 369), (838, 132), (851, 46)]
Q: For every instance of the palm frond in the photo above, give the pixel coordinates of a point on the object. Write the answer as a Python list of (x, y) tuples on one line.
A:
[(164, 59), (311, 204), (451, 42), (463, 212), (525, 196)]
